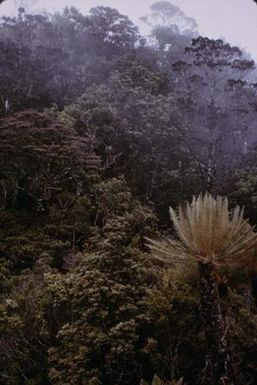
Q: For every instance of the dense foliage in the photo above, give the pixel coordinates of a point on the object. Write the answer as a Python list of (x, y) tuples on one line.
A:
[(101, 130)]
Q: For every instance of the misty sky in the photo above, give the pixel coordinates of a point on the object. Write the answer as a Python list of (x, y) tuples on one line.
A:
[(236, 20)]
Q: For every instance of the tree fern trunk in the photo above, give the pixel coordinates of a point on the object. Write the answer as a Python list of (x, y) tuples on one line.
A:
[(215, 330)]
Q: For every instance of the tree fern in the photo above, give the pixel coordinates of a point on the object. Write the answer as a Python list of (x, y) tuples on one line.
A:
[(209, 235), (208, 232)]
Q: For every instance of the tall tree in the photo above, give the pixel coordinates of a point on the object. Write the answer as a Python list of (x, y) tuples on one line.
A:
[(165, 14), (107, 25), (205, 82), (169, 24)]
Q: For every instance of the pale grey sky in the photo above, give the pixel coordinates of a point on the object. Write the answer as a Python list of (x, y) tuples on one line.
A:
[(235, 20)]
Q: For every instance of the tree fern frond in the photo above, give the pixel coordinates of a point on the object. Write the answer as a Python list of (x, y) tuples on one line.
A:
[(158, 381)]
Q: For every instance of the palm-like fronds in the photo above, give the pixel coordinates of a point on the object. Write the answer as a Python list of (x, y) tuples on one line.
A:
[(208, 232), (158, 381)]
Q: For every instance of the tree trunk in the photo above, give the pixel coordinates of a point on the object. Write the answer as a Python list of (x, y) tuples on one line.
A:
[(215, 329)]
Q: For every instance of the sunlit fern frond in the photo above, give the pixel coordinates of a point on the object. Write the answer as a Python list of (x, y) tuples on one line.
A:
[(179, 382), (207, 232), (169, 251), (158, 381)]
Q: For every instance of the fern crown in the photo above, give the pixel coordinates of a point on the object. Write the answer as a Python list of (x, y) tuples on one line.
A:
[(208, 232)]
